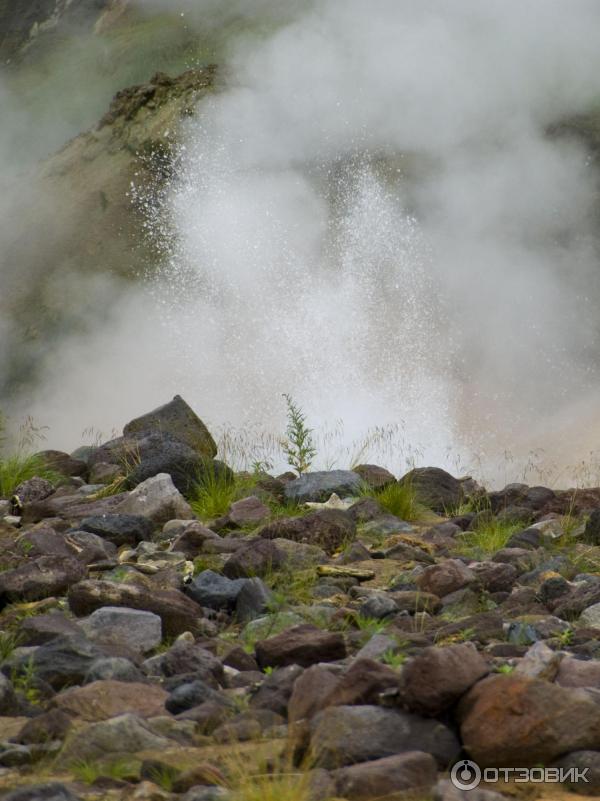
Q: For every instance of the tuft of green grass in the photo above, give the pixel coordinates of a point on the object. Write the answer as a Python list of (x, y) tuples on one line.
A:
[(207, 562), (24, 682), (490, 536), (370, 626), (288, 509), (164, 776), (290, 587), (261, 778), (399, 500), (216, 490), (394, 659), (9, 640), (128, 462), (88, 771), (19, 467), (22, 464)]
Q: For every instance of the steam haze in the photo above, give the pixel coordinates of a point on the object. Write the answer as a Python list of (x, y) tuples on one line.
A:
[(374, 218)]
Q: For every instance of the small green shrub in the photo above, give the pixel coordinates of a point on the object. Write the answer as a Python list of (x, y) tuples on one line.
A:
[(298, 446)]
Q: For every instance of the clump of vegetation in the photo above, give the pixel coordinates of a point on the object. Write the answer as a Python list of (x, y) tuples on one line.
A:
[(21, 464), (129, 461), (213, 495), (216, 489), (298, 446), (290, 587), (89, 771), (266, 779), (394, 659), (164, 776), (9, 640), (399, 499), (24, 682), (490, 536), (505, 669)]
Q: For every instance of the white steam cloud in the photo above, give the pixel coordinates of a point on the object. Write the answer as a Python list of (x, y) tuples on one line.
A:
[(374, 218)]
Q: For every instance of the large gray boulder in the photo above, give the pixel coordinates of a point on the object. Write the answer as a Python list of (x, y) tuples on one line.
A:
[(383, 778), (60, 663), (119, 529), (136, 629), (158, 499), (319, 486), (215, 591), (147, 453), (435, 488), (180, 420), (345, 735), (125, 734)]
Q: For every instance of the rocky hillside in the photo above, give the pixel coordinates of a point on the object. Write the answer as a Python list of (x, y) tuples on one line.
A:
[(92, 225), (172, 630), (68, 220)]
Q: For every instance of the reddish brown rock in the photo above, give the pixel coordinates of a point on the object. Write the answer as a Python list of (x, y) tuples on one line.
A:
[(515, 721), (102, 700), (248, 512), (383, 778), (436, 678), (579, 673), (302, 645), (445, 577), (329, 529), (495, 576), (311, 689), (40, 578), (376, 477), (362, 683), (257, 557), (63, 463)]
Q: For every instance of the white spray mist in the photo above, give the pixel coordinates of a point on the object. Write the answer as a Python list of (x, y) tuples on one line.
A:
[(376, 221)]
